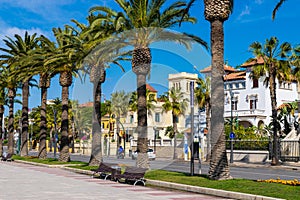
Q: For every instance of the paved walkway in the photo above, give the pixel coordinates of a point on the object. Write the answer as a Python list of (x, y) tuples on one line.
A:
[(26, 182)]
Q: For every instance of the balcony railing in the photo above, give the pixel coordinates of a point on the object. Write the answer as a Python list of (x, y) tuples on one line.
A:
[(241, 113)]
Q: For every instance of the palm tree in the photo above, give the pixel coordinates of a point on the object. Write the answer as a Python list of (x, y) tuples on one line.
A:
[(46, 48), (278, 5), (202, 94), (17, 50), (275, 67), (119, 107), (143, 22), (64, 61), (217, 12), (99, 57), (177, 104), (133, 103), (3, 101)]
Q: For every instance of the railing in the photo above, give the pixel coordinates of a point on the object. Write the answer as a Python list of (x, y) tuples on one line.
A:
[(290, 150), (242, 113)]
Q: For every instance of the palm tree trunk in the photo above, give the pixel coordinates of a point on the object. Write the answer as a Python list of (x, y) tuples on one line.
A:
[(175, 135), (43, 125), (142, 143), (275, 156), (96, 155), (64, 142), (1, 128), (11, 96), (219, 168), (24, 135)]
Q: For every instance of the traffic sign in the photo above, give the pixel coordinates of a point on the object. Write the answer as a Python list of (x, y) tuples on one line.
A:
[(232, 135)]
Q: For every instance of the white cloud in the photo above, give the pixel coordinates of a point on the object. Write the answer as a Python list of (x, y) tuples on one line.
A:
[(259, 2), (246, 11), (11, 31)]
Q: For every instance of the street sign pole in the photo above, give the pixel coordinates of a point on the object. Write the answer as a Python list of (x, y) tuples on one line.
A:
[(192, 127)]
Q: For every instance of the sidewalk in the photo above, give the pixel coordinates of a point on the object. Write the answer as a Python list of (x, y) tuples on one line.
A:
[(188, 192), (20, 181)]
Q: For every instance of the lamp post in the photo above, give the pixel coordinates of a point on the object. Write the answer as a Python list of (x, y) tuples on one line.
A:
[(156, 132), (231, 135), (31, 133), (55, 132), (192, 127)]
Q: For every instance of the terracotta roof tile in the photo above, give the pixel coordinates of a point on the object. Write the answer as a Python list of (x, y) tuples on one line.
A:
[(255, 61), (235, 76), (87, 104), (150, 88), (227, 68)]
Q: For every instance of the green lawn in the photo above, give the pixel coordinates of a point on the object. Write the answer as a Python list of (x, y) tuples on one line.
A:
[(237, 185)]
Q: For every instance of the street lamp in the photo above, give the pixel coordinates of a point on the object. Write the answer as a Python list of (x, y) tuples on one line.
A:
[(156, 132), (231, 135), (31, 133)]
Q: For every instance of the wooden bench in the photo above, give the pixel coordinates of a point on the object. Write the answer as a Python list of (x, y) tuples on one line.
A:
[(132, 174), (104, 169)]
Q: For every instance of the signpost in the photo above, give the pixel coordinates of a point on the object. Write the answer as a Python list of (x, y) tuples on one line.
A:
[(192, 127)]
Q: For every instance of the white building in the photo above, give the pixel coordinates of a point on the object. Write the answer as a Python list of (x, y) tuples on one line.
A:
[(251, 102)]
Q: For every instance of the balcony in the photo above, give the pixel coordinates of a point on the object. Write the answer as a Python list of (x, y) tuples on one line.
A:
[(244, 113)]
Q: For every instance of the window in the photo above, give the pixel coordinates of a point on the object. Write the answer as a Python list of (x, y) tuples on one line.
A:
[(131, 118), (234, 104), (243, 84), (157, 117), (255, 83), (253, 104), (237, 85)]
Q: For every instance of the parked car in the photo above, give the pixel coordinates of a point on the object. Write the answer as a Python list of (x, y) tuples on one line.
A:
[(150, 152)]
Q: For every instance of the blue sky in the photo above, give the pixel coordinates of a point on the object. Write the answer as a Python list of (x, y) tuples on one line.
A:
[(250, 21)]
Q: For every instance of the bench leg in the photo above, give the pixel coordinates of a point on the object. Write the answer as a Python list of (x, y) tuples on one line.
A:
[(140, 180)]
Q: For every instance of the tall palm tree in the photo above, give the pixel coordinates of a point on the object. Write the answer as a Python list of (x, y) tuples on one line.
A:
[(278, 5), (64, 61), (19, 49), (119, 107), (275, 67), (178, 105), (3, 102), (99, 57), (202, 94), (217, 12), (45, 49), (144, 22)]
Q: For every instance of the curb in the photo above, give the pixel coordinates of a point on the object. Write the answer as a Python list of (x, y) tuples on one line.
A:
[(209, 191)]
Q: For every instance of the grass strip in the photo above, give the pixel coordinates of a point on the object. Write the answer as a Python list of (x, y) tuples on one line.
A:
[(237, 185), (47, 161)]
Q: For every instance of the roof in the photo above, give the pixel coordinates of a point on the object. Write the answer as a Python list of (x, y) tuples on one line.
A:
[(255, 61), (87, 104), (235, 76), (227, 68), (150, 88)]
